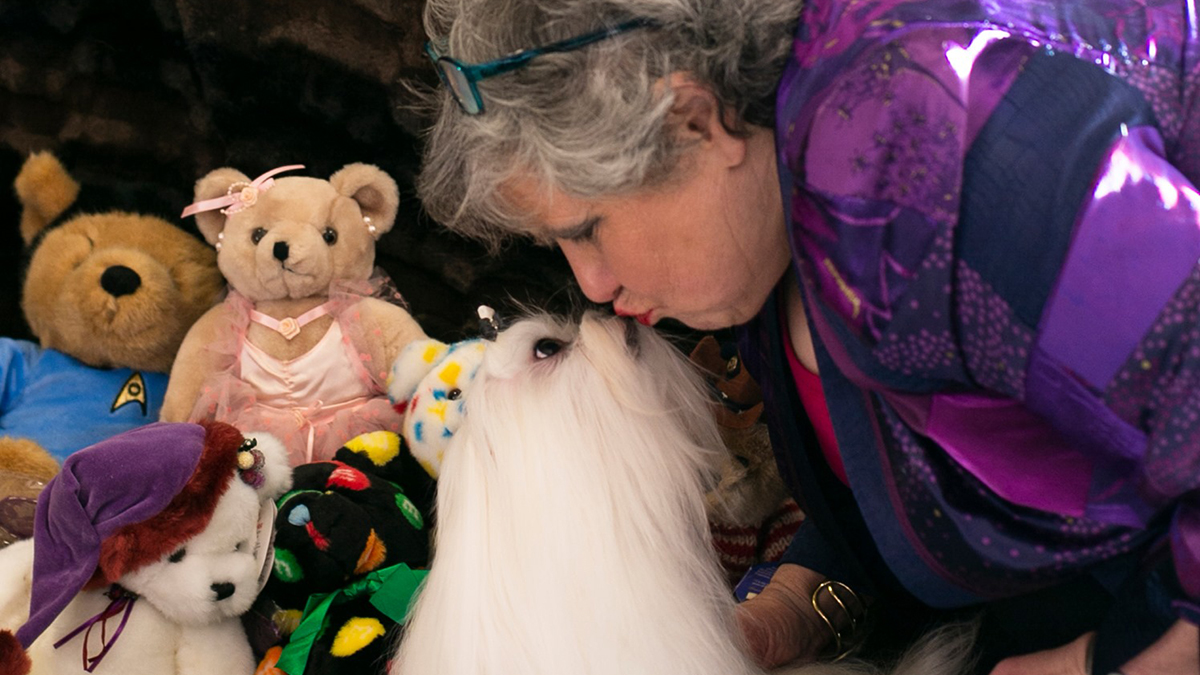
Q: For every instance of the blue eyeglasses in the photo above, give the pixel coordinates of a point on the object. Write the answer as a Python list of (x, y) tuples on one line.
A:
[(461, 78)]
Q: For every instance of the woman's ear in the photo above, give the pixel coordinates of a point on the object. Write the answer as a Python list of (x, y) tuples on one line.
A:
[(696, 116)]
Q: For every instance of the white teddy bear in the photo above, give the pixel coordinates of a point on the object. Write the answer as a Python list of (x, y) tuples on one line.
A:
[(147, 549), (426, 385)]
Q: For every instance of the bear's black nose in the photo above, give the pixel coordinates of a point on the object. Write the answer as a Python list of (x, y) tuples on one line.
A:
[(280, 251), (119, 280), (223, 590)]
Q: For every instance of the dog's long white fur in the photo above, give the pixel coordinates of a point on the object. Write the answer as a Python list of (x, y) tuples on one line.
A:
[(572, 537)]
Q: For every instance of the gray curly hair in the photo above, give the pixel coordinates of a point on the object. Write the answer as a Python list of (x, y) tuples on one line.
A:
[(588, 122)]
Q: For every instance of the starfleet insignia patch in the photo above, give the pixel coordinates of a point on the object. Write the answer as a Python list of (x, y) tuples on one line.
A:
[(133, 391)]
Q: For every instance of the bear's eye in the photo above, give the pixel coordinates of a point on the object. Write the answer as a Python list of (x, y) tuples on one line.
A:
[(177, 555), (330, 236), (454, 394), (546, 347), (257, 235)]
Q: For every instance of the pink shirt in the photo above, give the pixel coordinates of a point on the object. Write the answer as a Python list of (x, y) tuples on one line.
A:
[(808, 386)]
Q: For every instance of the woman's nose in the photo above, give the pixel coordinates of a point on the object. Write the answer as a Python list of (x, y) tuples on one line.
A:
[(595, 279)]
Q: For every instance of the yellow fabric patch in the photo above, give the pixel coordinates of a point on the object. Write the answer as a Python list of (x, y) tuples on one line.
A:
[(356, 634), (380, 447), (438, 409), (431, 353), (449, 374), (286, 620)]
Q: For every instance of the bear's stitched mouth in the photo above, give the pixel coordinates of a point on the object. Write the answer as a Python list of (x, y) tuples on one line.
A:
[(292, 271)]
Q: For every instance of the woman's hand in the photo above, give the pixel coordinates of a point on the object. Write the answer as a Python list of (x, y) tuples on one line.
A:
[(1177, 652), (1070, 659), (779, 624)]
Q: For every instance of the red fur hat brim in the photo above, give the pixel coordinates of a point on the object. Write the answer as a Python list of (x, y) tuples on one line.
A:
[(187, 515), (13, 659)]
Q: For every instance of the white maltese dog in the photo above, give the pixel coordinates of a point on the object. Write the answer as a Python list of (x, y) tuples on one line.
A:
[(572, 534)]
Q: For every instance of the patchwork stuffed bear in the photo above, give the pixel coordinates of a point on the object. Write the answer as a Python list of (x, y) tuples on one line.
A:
[(350, 532), (427, 385), (110, 295), (302, 344), (147, 548)]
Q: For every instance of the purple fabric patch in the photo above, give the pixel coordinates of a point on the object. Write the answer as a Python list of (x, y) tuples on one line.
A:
[(1016, 453), (1185, 547), (102, 488), (1117, 276), (1088, 424)]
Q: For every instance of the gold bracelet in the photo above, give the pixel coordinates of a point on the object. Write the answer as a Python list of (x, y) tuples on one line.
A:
[(842, 645)]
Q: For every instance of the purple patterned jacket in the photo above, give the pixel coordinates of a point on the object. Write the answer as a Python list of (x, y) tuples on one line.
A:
[(993, 210)]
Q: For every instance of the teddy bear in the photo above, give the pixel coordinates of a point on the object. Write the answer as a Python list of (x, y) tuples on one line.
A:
[(109, 294), (344, 530), (750, 514), (302, 344), (148, 546), (427, 384)]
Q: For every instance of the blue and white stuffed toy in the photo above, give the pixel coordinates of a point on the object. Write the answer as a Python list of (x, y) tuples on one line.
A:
[(427, 385)]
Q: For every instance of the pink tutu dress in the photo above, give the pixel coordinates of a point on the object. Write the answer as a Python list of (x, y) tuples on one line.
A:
[(315, 402)]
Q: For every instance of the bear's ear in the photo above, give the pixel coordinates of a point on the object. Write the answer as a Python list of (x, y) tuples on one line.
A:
[(215, 184), (411, 366), (45, 190), (375, 192)]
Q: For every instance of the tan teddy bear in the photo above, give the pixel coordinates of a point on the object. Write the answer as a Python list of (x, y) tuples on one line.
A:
[(302, 345)]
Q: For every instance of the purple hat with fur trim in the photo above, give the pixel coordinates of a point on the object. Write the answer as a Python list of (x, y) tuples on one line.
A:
[(116, 506)]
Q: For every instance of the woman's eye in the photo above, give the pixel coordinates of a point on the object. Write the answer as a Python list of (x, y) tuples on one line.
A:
[(546, 347), (257, 235), (330, 236), (177, 555), (454, 394)]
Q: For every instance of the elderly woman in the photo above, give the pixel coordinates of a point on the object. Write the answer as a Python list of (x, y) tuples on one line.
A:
[(960, 241)]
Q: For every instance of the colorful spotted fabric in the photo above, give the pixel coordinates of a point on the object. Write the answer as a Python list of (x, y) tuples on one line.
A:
[(427, 385), (363, 512)]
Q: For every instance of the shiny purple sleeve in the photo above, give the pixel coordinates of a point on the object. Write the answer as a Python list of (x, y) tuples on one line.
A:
[(1080, 335)]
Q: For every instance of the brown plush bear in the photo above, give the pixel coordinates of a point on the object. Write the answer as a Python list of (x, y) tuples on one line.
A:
[(750, 515), (109, 295), (302, 344)]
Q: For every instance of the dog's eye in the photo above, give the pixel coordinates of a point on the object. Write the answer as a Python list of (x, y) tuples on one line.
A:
[(177, 555), (241, 546), (546, 347), (257, 235), (330, 236), (454, 394)]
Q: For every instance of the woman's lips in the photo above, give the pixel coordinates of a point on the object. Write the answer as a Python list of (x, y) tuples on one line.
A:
[(643, 318)]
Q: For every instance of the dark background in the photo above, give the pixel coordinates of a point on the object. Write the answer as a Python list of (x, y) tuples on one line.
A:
[(140, 98)]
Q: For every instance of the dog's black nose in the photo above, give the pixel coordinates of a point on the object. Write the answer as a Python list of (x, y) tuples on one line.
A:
[(280, 251), (223, 590), (119, 280)]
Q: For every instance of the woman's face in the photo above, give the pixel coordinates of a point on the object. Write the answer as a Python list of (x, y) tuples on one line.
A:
[(706, 248)]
